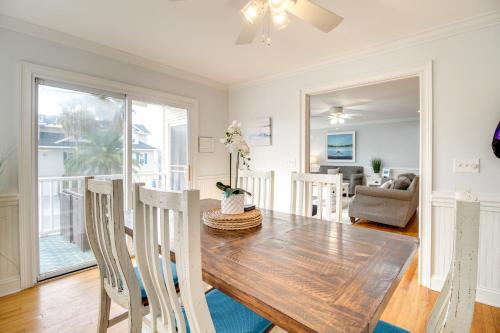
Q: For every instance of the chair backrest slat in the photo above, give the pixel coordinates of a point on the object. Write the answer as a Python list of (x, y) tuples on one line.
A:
[(308, 189), (104, 223), (156, 211), (261, 185)]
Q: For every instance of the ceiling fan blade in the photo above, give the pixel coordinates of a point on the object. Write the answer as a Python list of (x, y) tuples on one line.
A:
[(320, 113), (247, 35), (320, 17)]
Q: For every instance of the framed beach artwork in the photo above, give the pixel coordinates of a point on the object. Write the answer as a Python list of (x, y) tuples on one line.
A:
[(341, 146), (259, 132)]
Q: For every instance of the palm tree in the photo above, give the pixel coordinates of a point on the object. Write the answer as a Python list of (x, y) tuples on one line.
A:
[(99, 153), (76, 123)]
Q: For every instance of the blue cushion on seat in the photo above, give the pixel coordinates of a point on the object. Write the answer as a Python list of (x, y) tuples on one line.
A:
[(385, 327), (141, 284), (230, 316)]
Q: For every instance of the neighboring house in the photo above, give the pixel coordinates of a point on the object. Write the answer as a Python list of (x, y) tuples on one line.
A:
[(147, 156), (54, 148)]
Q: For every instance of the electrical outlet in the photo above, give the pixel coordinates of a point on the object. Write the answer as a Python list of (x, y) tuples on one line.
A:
[(466, 165)]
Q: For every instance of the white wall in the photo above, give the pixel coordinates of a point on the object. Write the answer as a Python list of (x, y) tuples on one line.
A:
[(397, 144), (466, 103), (16, 47)]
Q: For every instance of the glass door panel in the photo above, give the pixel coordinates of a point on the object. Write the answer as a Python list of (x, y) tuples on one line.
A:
[(80, 133), (159, 146)]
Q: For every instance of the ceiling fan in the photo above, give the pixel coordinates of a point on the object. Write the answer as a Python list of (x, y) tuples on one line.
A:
[(336, 115), (255, 12)]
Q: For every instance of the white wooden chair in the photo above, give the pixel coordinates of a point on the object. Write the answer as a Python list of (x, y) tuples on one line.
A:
[(261, 185), (104, 222), (156, 210), (454, 307), (302, 198)]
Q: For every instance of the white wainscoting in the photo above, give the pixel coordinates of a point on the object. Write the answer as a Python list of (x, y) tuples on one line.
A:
[(488, 286), (206, 185), (9, 244)]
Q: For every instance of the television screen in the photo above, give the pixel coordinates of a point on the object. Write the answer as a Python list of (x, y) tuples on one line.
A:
[(497, 132)]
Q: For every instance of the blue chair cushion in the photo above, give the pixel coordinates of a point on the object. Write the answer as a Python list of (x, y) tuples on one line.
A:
[(141, 284), (230, 316), (385, 327)]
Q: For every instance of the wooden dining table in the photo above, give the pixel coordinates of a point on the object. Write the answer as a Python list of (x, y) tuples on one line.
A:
[(306, 275)]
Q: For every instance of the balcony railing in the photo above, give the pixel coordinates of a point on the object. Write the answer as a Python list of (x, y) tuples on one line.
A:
[(51, 192)]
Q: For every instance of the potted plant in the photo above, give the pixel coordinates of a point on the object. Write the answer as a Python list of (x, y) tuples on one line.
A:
[(376, 166), (233, 198)]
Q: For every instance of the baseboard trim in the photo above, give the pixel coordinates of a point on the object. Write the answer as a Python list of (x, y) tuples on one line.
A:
[(10, 285), (483, 295)]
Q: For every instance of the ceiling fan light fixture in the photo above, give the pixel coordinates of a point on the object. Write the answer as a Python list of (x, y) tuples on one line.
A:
[(252, 10), (278, 6), (337, 120), (280, 20)]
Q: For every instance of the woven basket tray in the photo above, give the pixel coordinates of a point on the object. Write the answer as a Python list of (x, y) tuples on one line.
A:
[(215, 219)]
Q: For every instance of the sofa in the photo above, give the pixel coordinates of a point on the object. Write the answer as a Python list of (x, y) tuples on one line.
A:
[(388, 206), (351, 174)]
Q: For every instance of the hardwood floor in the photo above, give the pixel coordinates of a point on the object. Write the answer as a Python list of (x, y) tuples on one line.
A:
[(411, 228), (70, 305)]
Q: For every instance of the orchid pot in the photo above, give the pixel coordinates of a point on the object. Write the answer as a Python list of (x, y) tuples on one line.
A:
[(233, 199), (234, 204)]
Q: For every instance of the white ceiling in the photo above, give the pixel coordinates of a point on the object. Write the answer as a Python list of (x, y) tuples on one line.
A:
[(198, 35), (391, 101)]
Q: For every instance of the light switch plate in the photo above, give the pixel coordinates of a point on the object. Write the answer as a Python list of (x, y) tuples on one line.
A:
[(466, 165)]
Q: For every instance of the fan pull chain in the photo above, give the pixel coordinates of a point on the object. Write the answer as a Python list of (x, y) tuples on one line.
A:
[(266, 30)]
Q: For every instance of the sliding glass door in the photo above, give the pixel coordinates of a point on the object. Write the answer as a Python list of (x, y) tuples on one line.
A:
[(86, 132), (80, 133)]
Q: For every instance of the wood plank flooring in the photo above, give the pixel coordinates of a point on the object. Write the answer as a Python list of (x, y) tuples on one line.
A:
[(70, 304), (411, 228)]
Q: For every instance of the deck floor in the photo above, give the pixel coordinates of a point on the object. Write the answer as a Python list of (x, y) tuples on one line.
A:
[(57, 254)]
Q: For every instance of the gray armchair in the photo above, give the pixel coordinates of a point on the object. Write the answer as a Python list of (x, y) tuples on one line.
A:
[(351, 174), (386, 206)]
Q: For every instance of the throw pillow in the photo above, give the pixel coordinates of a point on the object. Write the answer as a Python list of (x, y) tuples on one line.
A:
[(408, 175), (402, 183), (333, 171), (387, 184)]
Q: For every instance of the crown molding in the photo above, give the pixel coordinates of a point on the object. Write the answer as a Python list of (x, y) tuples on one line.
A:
[(440, 32), (55, 36)]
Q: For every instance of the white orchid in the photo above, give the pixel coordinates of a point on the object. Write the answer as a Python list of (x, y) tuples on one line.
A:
[(236, 144)]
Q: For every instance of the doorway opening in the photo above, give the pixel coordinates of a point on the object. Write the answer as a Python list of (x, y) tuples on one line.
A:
[(371, 134)]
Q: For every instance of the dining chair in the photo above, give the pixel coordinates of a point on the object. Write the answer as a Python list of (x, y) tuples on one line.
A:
[(120, 281), (309, 189), (157, 212), (261, 185), (454, 308)]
